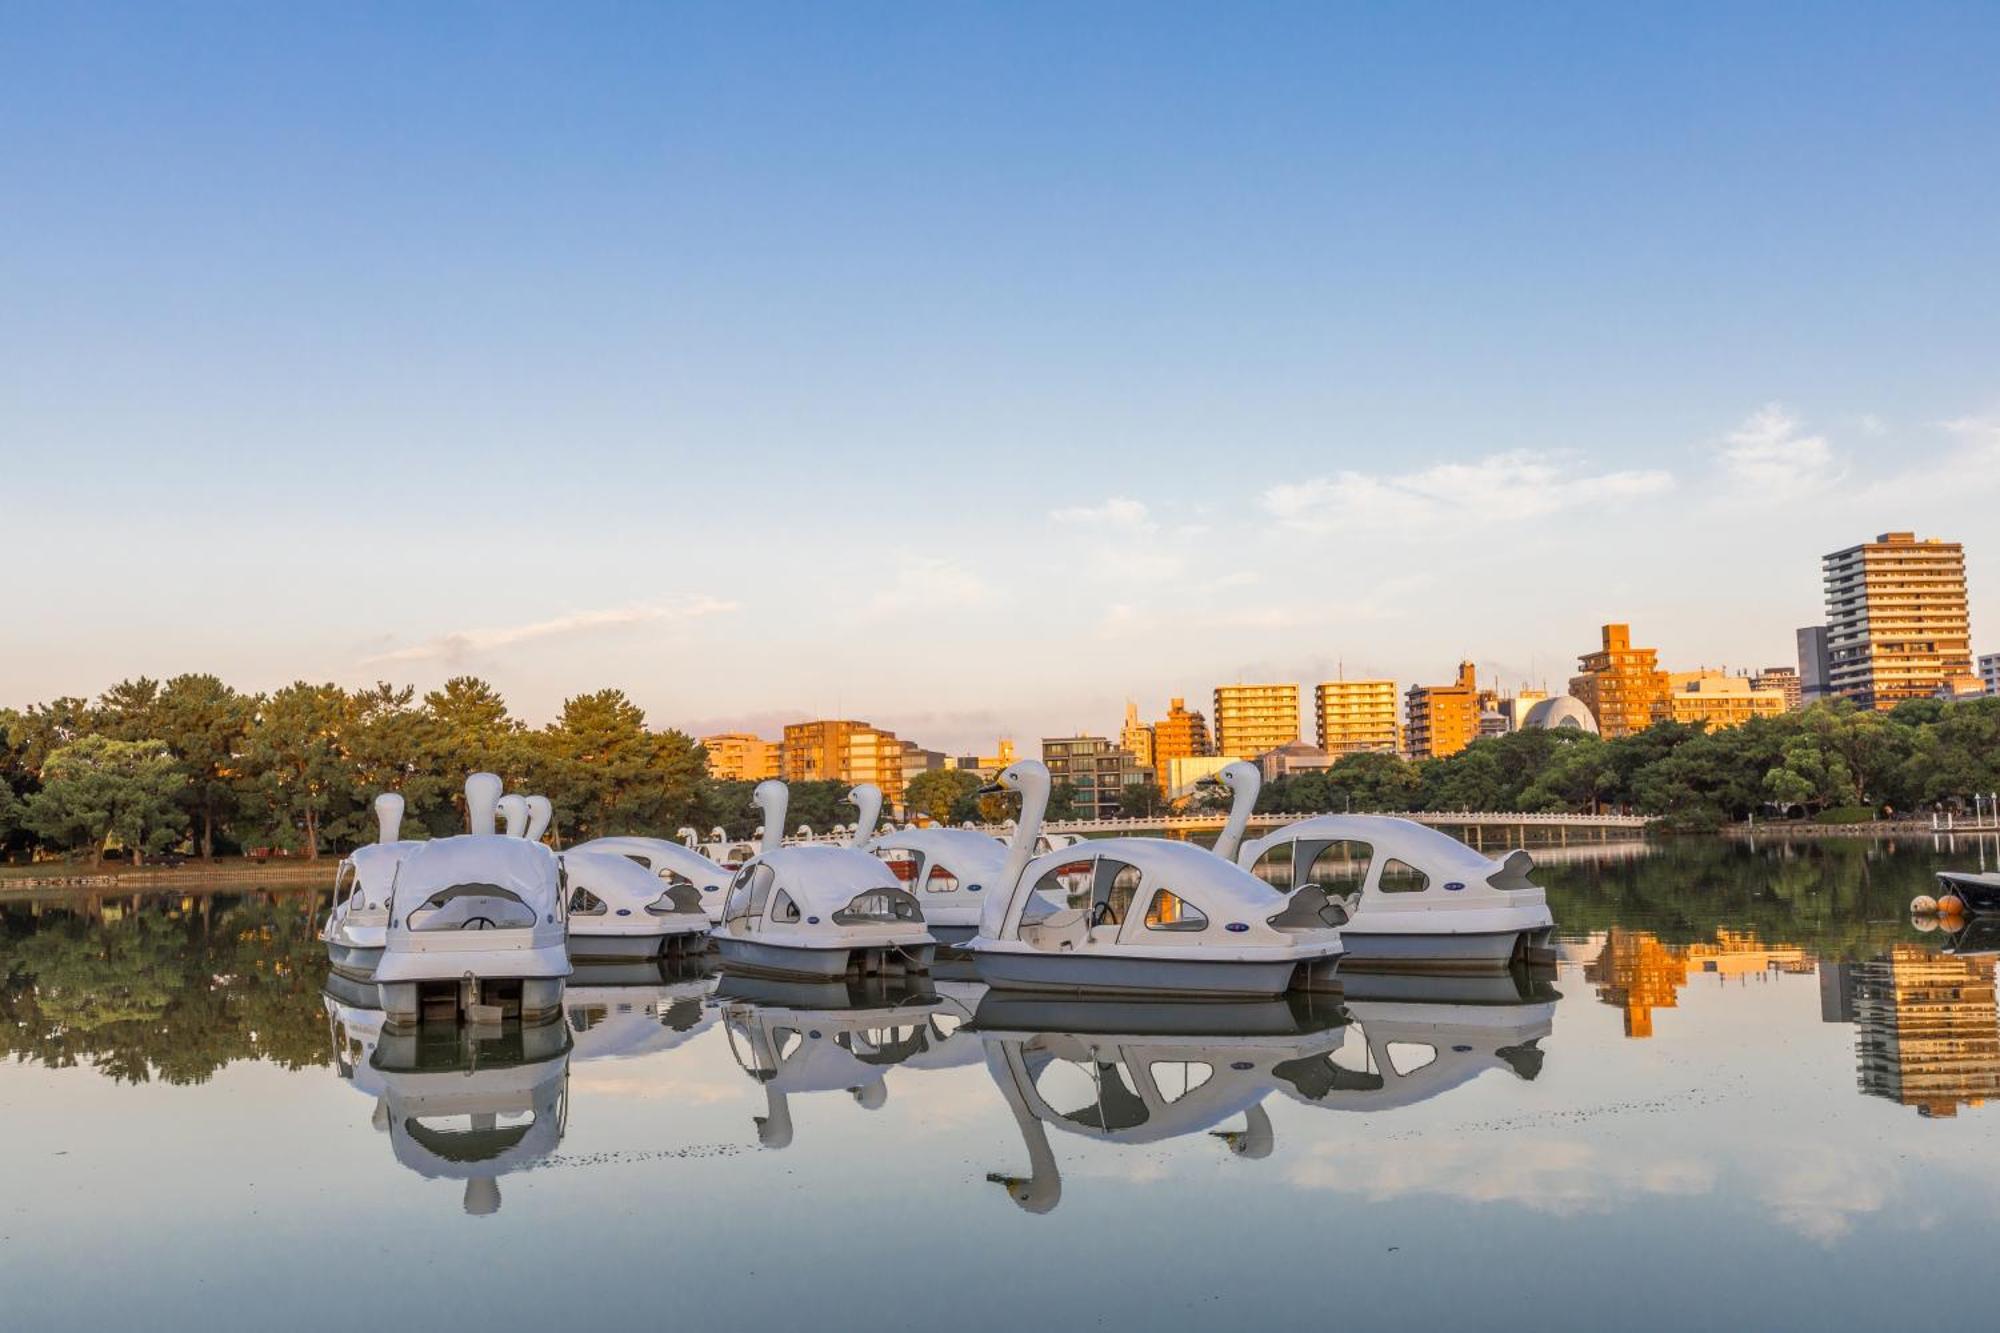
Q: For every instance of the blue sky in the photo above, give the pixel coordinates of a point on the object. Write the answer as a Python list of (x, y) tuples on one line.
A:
[(973, 368)]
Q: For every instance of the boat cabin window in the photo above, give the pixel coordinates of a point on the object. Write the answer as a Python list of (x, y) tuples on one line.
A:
[(1338, 866), (1068, 884), (1274, 867), (582, 902), (678, 898), (783, 908), (638, 860), (940, 880), (1402, 877), (879, 905), (471, 907), (1112, 889), (1168, 911), (748, 892), (908, 866), (344, 884)]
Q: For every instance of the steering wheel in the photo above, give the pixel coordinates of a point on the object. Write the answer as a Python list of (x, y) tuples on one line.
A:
[(1101, 915), (478, 923)]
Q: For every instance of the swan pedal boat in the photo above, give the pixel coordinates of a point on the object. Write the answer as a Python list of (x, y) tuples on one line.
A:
[(1979, 892), (1420, 898), (358, 923), (821, 912), (619, 909), (673, 863)]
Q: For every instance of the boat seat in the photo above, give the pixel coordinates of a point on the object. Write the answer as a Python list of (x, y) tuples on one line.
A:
[(1311, 908), (1067, 927)]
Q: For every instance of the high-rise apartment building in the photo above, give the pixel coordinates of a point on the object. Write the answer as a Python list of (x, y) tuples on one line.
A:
[(1897, 626), (1098, 770), (1814, 668), (1715, 699), (1179, 735), (1442, 719), (1620, 684), (1253, 719), (739, 756), (840, 750), (1782, 680), (1357, 716), (1989, 672), (1136, 737)]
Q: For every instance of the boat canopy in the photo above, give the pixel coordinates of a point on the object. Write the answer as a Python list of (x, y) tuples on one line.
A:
[(604, 884), (820, 880), (479, 881), (1442, 859), (975, 860), (1149, 874), (374, 868), (663, 857)]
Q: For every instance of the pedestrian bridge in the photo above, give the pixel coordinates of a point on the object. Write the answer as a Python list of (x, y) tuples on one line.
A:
[(1473, 826)]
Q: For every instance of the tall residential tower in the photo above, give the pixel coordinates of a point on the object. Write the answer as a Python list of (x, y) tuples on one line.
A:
[(1897, 626)]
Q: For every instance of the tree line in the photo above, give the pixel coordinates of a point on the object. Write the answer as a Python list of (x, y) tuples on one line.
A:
[(1830, 761), (150, 766)]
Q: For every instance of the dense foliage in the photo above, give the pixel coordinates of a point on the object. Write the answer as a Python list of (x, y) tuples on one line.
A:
[(150, 764)]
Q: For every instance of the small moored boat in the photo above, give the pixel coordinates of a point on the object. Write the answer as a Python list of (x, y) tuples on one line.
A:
[(359, 922), (618, 910), (1147, 916), (1979, 891), (476, 924), (672, 864), (818, 911), (1413, 897)]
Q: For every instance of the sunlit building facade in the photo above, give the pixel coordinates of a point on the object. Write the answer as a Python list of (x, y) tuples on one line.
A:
[(1253, 719), (740, 756), (1181, 734), (1442, 719), (1989, 673), (1897, 624), (1620, 684), (1784, 681), (841, 750), (1715, 700), (1099, 771), (1357, 717), (1136, 737)]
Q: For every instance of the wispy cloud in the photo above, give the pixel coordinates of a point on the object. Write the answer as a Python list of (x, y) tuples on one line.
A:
[(1499, 488), (1771, 457), (926, 583), (465, 644), (1119, 512)]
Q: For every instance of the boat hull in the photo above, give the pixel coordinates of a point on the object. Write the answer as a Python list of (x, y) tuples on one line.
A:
[(353, 961), (822, 964), (1979, 893), (619, 948), (1482, 951), (1072, 974)]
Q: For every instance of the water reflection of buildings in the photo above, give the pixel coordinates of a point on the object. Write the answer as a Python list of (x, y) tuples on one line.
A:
[(1927, 1032), (1637, 973)]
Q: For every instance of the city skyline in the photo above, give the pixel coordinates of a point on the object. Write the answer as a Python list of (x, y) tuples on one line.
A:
[(704, 357)]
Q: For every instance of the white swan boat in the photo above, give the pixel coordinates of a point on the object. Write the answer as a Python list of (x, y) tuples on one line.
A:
[(358, 923), (951, 873), (475, 920), (1414, 897), (673, 864), (818, 911), (619, 909), (1144, 916)]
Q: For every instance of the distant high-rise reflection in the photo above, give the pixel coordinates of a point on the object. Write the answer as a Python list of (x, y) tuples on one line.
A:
[(1927, 1033)]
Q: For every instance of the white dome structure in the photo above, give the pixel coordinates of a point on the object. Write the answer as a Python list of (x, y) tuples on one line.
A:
[(1563, 712)]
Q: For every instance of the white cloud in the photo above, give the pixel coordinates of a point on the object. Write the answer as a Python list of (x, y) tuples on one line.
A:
[(1499, 488), (458, 646), (1769, 458), (1117, 512), (926, 583)]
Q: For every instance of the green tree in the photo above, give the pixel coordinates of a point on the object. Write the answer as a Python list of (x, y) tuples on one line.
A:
[(295, 769), (938, 792), (203, 724), (96, 791), (1141, 800), (1062, 801), (608, 774)]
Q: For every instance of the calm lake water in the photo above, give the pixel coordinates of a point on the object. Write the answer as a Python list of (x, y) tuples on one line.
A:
[(1752, 1094)]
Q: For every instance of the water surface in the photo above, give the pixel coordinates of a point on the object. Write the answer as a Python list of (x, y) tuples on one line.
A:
[(1752, 1092)]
